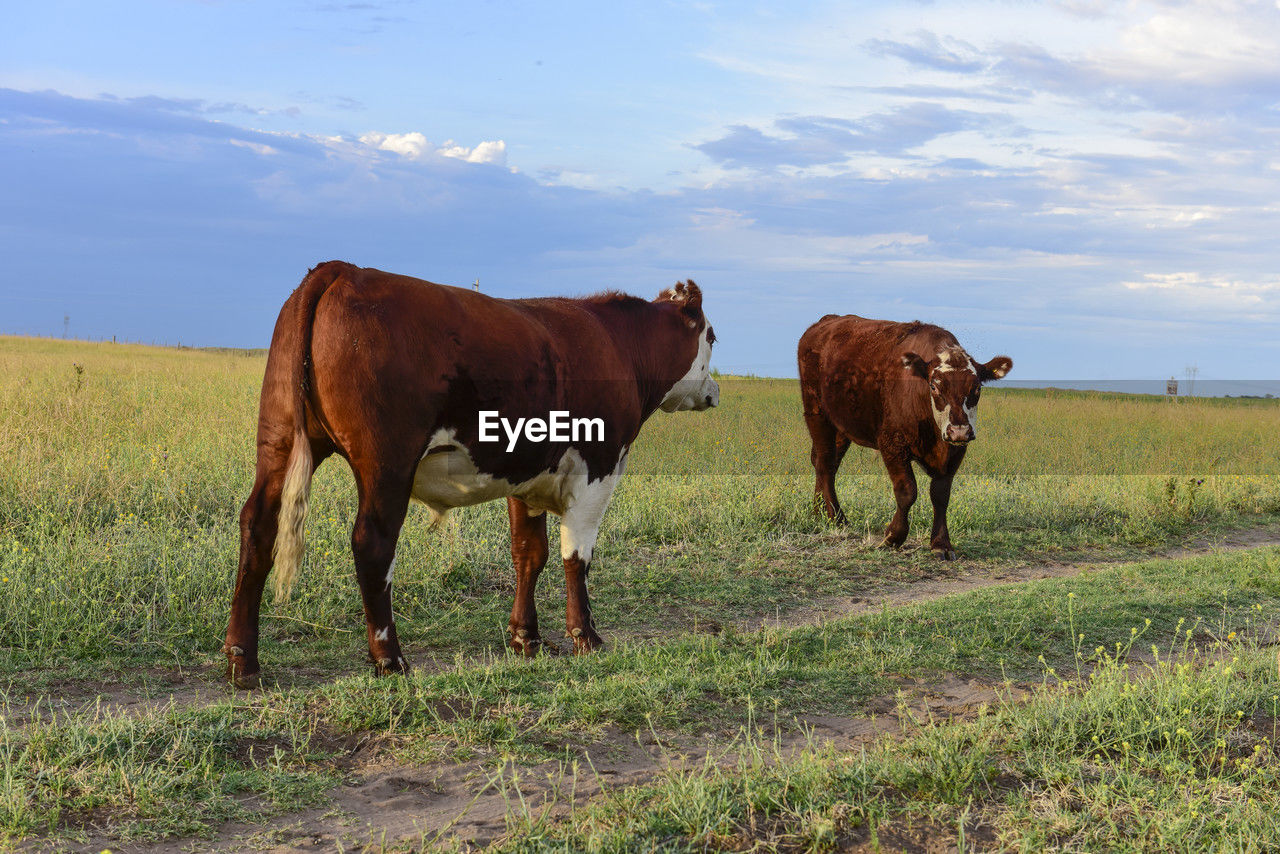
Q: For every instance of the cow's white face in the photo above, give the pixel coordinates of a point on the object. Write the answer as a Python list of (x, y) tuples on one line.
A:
[(697, 389), (954, 390), (955, 385)]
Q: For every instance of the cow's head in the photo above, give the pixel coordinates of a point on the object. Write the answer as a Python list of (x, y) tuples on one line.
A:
[(697, 389), (955, 384)]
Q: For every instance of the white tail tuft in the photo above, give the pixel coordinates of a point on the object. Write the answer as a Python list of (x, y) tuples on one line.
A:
[(291, 534)]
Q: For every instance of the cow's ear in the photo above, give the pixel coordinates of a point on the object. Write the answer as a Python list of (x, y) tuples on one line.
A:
[(995, 369), (916, 365), (686, 294)]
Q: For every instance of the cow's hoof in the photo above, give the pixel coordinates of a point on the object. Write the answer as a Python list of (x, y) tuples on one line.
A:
[(391, 667), (248, 681), (244, 681), (525, 643), (584, 640), (238, 672), (946, 554), (887, 543)]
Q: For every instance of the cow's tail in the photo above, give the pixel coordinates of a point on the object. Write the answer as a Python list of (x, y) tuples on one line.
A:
[(291, 532)]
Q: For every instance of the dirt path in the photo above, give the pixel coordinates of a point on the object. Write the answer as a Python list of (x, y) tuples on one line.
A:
[(469, 804), (957, 578), (384, 805)]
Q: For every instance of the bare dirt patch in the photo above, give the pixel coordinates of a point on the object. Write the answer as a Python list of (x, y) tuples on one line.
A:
[(917, 836), (148, 692)]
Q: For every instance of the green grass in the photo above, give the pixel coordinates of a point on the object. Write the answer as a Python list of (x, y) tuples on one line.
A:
[(120, 483), (1175, 756), (694, 683), (502, 708), (164, 773)]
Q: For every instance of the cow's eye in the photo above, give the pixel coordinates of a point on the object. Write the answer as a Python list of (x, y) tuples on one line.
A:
[(933, 385)]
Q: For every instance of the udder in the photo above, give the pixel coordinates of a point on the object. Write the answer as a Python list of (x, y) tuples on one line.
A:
[(448, 478)]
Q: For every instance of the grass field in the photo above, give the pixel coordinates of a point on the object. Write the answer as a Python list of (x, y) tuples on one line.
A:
[(122, 469)]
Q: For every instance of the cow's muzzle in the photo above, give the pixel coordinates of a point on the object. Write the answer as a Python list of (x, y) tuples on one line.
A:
[(710, 395), (959, 434), (702, 396)]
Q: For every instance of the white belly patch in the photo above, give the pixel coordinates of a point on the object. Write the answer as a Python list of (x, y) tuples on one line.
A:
[(447, 477)]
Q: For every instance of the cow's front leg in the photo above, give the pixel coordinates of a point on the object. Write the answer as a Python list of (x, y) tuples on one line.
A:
[(904, 493), (940, 539), (577, 617), (578, 528), (529, 554), (373, 542)]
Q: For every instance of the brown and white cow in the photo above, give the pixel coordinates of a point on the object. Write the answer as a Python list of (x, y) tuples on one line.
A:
[(909, 390), (393, 373)]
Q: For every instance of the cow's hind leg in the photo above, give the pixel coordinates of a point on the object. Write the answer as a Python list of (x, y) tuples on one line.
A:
[(529, 554), (259, 524), (904, 493), (384, 500), (259, 521), (940, 539), (578, 529), (829, 447)]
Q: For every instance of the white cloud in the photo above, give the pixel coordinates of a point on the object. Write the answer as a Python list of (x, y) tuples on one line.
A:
[(415, 146), (257, 147), (1189, 281), (1174, 281), (1092, 9), (488, 151), (1213, 292), (1204, 42), (412, 145), (729, 239)]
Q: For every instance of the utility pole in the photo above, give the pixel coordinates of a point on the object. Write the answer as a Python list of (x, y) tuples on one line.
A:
[(1191, 371)]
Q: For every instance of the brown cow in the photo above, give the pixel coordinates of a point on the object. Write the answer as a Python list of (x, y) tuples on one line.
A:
[(399, 376), (908, 390)]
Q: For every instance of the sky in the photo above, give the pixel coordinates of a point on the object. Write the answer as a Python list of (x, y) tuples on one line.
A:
[(1092, 188)]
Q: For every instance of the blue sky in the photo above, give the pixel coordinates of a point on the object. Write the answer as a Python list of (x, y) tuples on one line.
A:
[(1091, 188)]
